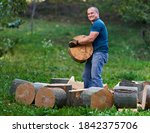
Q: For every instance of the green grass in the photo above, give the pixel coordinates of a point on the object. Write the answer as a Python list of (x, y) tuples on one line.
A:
[(43, 55)]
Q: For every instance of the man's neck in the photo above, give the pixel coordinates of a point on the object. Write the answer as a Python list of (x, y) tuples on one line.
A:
[(94, 20)]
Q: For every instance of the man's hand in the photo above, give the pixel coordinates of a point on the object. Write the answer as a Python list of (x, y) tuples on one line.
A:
[(73, 43)]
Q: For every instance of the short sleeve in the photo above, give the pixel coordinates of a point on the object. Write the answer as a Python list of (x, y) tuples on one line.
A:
[(96, 27)]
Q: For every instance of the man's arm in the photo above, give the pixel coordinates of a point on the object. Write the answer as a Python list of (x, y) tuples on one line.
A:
[(88, 39)]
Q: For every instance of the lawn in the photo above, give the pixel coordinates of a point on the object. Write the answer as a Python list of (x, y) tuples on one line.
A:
[(42, 55)]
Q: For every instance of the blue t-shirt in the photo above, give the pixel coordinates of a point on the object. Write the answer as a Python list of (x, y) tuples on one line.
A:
[(101, 42)]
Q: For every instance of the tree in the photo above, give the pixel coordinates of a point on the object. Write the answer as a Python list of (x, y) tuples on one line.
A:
[(133, 10), (10, 9)]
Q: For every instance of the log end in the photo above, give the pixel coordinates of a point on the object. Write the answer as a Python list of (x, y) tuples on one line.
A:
[(25, 93), (102, 99), (45, 98)]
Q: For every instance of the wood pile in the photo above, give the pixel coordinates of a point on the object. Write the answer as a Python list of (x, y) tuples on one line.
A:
[(68, 92)]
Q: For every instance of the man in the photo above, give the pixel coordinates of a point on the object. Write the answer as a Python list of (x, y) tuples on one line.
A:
[(98, 36)]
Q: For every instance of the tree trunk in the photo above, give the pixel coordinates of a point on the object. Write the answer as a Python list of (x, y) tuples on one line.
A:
[(50, 97), (32, 15), (99, 98), (146, 97), (125, 97)]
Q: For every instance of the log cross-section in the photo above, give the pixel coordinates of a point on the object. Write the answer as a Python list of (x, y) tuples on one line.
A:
[(25, 93), (50, 97), (97, 98)]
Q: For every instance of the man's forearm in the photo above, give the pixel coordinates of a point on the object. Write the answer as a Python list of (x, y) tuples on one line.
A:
[(85, 40)]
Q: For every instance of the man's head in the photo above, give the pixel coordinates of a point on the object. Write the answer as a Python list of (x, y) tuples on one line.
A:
[(92, 13)]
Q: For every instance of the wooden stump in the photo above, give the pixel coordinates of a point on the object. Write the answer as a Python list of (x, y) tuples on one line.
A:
[(25, 93), (146, 97), (50, 97), (15, 84), (138, 84), (99, 98), (59, 80), (73, 98), (102, 99), (81, 53), (125, 97)]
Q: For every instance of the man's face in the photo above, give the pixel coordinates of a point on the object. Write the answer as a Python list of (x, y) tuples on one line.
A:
[(92, 14)]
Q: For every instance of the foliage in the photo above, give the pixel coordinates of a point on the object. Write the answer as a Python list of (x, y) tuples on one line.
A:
[(9, 9), (133, 10)]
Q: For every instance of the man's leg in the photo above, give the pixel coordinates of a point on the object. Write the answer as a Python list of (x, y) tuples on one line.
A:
[(98, 61), (87, 74)]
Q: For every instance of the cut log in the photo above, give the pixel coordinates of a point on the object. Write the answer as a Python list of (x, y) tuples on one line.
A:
[(15, 84), (73, 98), (97, 98), (146, 97), (59, 80), (25, 93), (138, 84), (102, 99), (125, 97), (50, 97), (81, 53)]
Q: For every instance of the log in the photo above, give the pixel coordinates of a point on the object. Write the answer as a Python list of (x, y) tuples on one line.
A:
[(50, 97), (138, 84), (146, 97), (25, 93), (81, 53), (125, 97), (15, 84), (102, 99), (73, 98), (97, 98), (59, 80)]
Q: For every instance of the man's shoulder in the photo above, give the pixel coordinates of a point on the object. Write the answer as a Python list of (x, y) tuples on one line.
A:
[(98, 22)]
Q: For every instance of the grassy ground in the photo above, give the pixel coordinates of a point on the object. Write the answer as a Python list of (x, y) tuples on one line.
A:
[(43, 55)]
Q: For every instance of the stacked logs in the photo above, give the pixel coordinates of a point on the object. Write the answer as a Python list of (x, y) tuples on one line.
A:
[(61, 92), (68, 92)]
